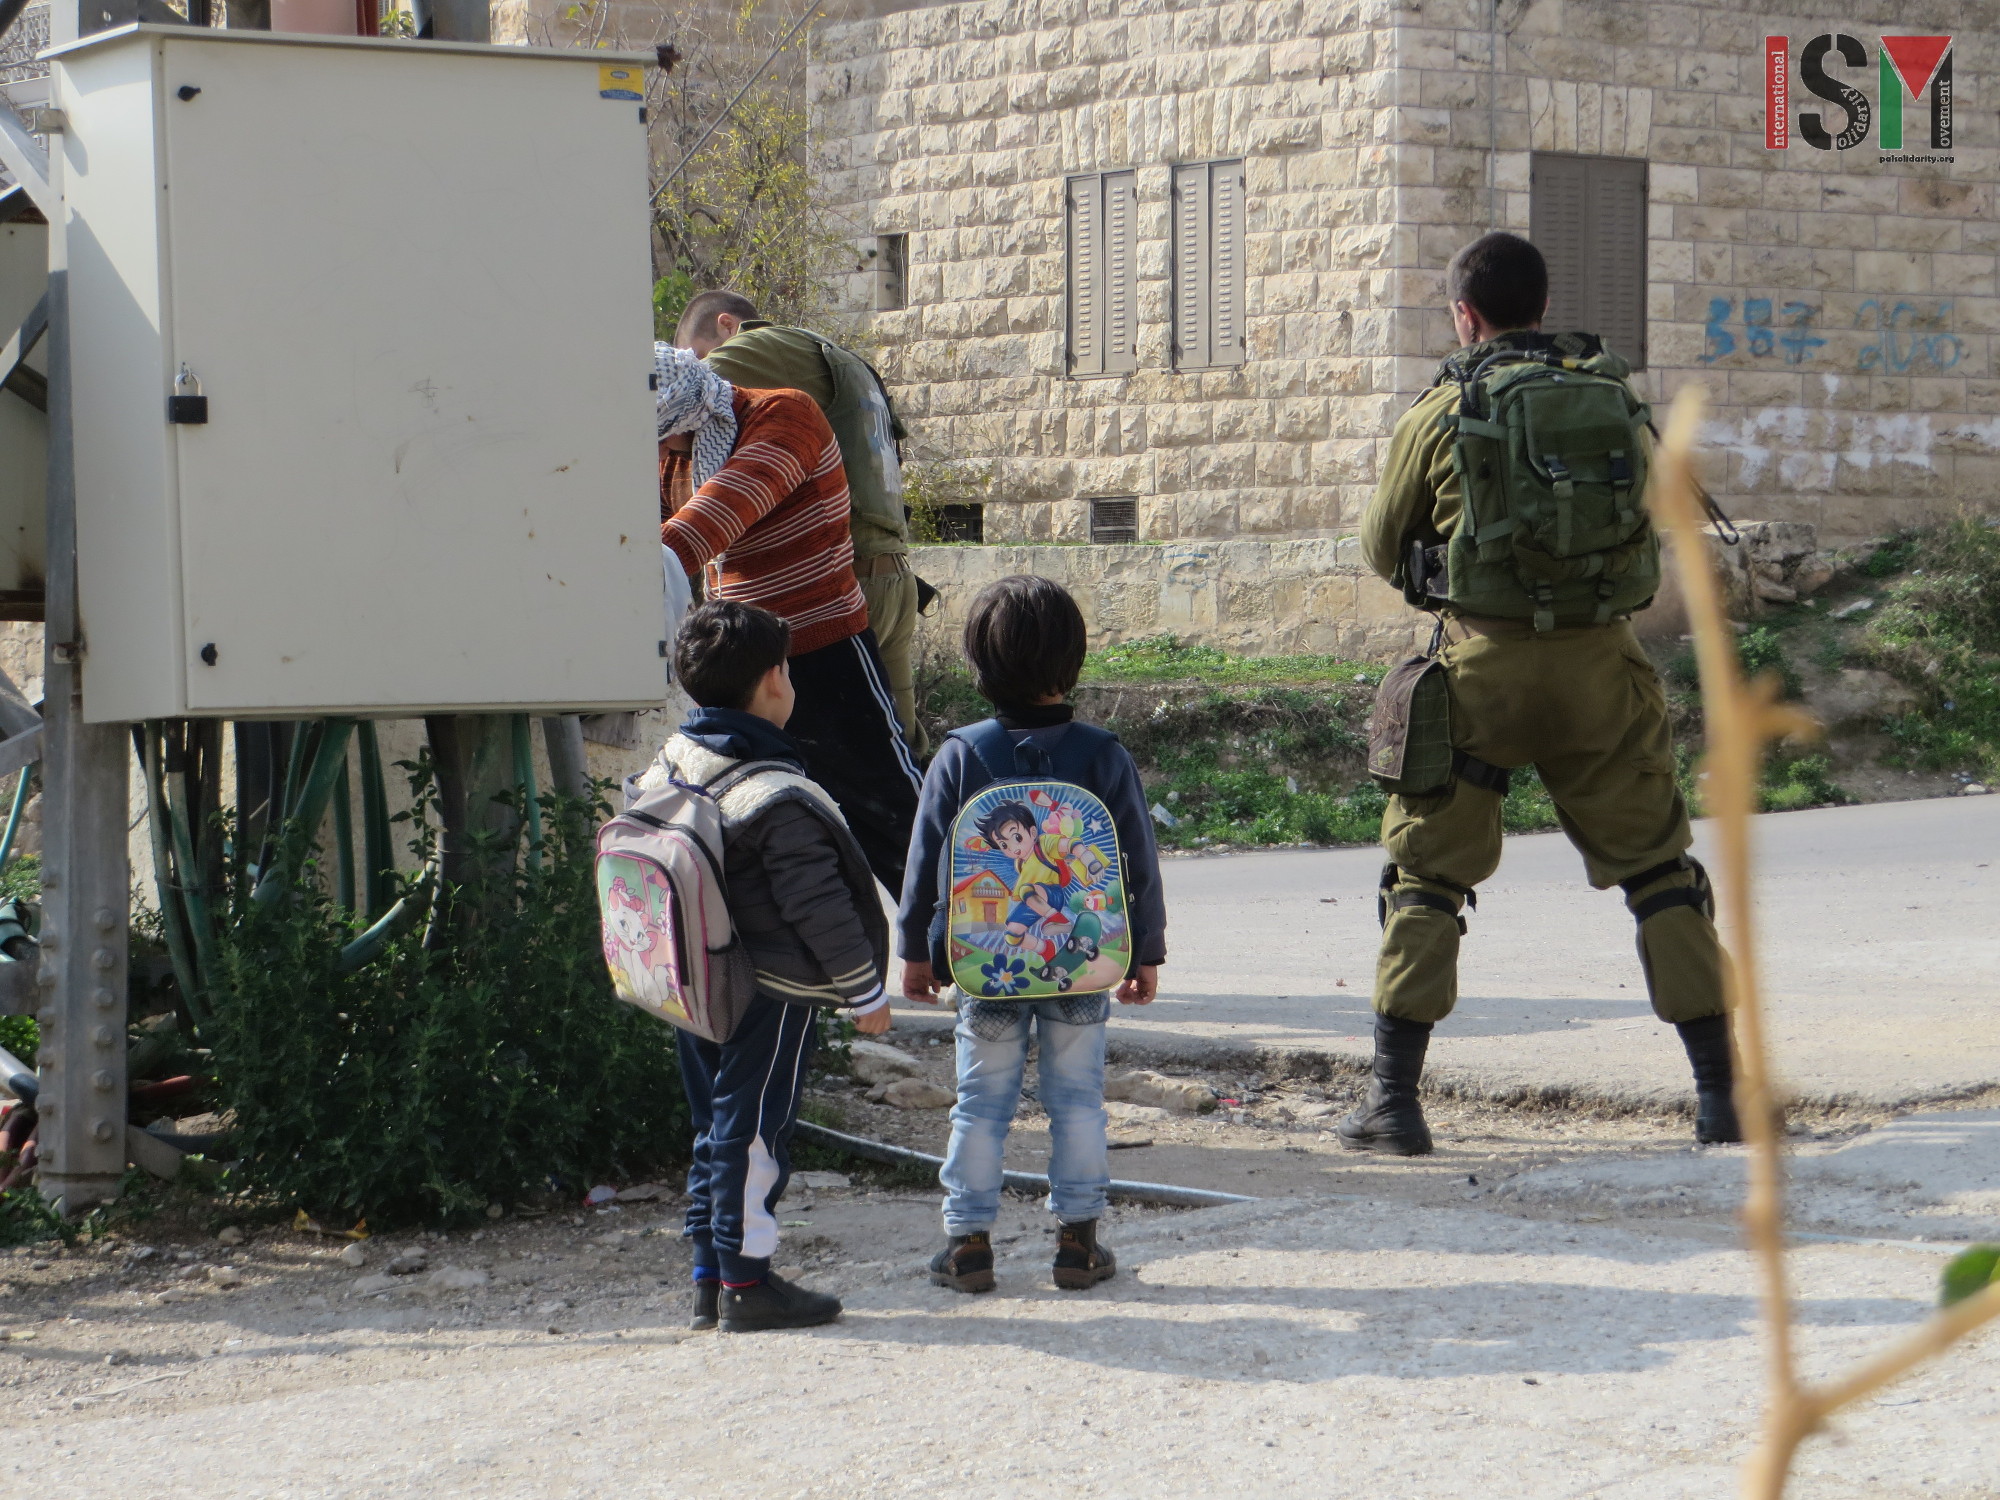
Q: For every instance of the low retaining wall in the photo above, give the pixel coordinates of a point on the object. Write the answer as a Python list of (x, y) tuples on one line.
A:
[(1259, 598)]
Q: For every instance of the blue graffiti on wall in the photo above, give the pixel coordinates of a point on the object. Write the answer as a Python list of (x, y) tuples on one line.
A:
[(1905, 339)]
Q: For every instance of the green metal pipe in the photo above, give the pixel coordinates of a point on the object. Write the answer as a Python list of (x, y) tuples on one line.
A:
[(172, 919), (398, 920), (524, 777), (378, 855), (329, 755), (21, 790), (343, 841)]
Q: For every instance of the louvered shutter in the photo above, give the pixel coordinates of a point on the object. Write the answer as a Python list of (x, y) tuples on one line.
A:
[(1208, 265), (1119, 294), (1225, 257), (1191, 273), (1559, 224), (1618, 255), (1587, 215), (1086, 268)]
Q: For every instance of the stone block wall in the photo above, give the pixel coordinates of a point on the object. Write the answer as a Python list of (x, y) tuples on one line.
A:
[(1838, 306), (1253, 597), (1840, 310), (957, 124)]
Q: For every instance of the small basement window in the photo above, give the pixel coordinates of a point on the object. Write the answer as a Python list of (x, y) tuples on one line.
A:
[(891, 267), (1114, 518), (961, 523)]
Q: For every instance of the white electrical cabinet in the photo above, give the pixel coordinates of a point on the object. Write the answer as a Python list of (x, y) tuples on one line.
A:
[(410, 281), (24, 430)]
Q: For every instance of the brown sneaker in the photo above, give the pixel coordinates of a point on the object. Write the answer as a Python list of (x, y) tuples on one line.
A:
[(966, 1264), (1080, 1261)]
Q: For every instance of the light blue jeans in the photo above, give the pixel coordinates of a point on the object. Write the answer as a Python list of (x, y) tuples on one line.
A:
[(992, 1059)]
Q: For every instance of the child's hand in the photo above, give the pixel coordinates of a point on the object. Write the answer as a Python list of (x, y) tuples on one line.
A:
[(920, 984), (1140, 987), (875, 1022)]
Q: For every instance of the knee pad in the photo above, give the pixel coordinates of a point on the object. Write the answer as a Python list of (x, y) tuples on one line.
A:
[(1698, 893), (1678, 951), (1389, 900)]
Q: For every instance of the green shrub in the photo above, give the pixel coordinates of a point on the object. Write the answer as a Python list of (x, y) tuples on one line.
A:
[(1938, 629), (434, 1081)]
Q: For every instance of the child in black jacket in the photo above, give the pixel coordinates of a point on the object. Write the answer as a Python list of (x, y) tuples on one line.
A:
[(1024, 640), (803, 903)]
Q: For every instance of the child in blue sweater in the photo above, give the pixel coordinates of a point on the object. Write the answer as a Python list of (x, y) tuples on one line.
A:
[(1025, 640)]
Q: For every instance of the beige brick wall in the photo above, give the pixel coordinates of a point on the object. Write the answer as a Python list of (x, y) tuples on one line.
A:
[(957, 125), (1380, 135), (1254, 597)]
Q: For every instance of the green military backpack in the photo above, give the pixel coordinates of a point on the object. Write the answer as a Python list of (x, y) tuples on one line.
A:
[(1552, 469)]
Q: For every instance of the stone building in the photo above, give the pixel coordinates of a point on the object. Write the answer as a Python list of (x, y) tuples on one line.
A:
[(1172, 268)]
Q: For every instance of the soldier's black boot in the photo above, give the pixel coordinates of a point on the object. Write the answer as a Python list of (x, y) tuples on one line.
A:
[(1707, 1043), (1389, 1119)]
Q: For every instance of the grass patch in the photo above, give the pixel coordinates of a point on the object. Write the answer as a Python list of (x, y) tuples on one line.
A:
[(1161, 658), (1938, 629)]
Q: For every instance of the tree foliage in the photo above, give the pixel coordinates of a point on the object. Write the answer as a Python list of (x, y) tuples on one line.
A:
[(748, 213)]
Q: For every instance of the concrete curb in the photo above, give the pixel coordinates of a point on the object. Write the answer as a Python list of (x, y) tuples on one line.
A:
[(1323, 1065)]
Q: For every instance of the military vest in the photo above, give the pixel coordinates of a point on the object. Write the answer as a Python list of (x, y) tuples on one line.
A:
[(865, 428), (1548, 447)]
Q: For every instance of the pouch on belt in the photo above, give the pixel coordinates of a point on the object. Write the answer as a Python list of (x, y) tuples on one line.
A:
[(1409, 733)]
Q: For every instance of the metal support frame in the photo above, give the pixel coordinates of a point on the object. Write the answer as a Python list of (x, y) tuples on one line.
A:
[(86, 881)]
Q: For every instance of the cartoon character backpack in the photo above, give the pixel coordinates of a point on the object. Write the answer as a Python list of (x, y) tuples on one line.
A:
[(1031, 900), (668, 939)]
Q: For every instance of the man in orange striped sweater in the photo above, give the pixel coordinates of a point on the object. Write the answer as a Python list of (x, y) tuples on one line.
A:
[(754, 501)]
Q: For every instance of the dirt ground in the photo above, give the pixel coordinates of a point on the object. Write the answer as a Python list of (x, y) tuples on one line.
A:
[(1509, 1317)]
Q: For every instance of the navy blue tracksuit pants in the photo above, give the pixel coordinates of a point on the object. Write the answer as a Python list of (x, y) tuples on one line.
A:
[(744, 1094)]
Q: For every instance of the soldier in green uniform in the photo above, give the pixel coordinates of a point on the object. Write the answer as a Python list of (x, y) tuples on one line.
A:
[(724, 330), (1511, 505)]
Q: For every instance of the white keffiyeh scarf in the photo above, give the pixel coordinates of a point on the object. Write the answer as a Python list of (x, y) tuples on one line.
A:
[(693, 398)]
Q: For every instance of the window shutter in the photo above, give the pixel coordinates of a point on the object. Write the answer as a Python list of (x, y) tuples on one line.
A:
[(1208, 265), (1086, 348), (1225, 196), (1191, 299), (1618, 255), (1120, 336), (1587, 215), (1559, 224)]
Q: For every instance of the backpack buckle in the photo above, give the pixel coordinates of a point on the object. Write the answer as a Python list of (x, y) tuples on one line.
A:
[(1565, 487)]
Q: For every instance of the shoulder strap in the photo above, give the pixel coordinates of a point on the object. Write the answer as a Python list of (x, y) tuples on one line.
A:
[(1077, 751), (991, 746), (741, 772)]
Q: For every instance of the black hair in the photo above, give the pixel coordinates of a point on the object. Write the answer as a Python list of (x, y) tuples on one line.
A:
[(1001, 816), (724, 650), (1024, 640), (1503, 277), (698, 317)]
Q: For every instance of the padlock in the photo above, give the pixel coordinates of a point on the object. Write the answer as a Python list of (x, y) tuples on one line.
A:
[(191, 406)]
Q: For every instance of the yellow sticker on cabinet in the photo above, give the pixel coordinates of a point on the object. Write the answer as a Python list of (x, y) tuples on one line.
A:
[(619, 81)]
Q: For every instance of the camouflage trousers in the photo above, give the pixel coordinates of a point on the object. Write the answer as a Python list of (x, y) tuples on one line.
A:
[(1583, 706)]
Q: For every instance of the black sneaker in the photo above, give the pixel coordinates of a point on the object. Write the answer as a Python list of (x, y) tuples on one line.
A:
[(966, 1264), (707, 1296), (774, 1303), (1080, 1261)]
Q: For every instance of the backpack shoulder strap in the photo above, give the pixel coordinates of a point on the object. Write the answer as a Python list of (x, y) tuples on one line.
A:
[(719, 785), (1077, 751), (991, 746)]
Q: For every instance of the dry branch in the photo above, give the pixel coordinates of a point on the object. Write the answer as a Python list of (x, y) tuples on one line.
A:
[(1742, 720)]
